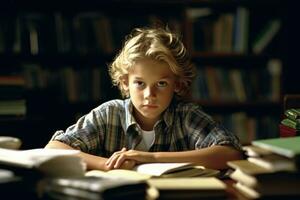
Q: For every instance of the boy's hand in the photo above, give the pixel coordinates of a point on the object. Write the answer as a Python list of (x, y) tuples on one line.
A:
[(119, 158), (128, 164)]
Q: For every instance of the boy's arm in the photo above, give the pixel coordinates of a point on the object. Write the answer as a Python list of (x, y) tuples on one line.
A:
[(214, 157), (92, 161)]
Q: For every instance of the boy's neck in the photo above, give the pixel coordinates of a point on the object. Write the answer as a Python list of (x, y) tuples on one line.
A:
[(146, 124)]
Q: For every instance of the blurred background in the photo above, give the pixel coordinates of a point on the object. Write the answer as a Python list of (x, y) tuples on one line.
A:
[(54, 57)]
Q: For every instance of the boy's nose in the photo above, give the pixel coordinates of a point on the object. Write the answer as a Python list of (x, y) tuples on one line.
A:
[(149, 92)]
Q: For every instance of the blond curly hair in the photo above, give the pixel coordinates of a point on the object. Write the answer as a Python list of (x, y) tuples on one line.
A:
[(159, 44)]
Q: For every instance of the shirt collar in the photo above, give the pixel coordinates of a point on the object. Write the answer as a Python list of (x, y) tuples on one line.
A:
[(129, 118), (168, 114)]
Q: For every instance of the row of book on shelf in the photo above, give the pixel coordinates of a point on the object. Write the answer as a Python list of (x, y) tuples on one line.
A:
[(82, 33), (66, 83), (219, 83), (96, 32), (229, 31)]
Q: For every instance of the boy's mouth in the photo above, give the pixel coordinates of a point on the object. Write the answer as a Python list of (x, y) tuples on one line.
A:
[(150, 106)]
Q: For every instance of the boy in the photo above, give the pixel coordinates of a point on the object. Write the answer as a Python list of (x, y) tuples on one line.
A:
[(155, 123)]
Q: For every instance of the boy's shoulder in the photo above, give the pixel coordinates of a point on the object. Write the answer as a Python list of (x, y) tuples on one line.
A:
[(115, 104), (184, 106)]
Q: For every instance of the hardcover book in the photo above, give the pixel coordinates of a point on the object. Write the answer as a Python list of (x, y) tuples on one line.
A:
[(189, 188), (289, 147), (255, 176), (49, 162), (92, 188), (293, 114)]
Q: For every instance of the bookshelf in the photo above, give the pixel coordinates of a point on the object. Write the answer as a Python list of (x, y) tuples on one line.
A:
[(238, 48), (62, 55)]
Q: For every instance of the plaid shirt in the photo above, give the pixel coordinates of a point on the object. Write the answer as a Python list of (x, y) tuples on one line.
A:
[(111, 126)]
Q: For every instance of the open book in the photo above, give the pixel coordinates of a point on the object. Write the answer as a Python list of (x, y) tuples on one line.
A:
[(154, 170), (50, 162)]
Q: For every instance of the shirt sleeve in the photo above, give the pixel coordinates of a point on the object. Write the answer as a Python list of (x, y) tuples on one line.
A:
[(86, 135), (218, 135), (205, 132)]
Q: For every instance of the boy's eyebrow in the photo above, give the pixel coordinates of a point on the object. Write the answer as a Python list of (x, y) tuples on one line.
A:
[(164, 77), (136, 77)]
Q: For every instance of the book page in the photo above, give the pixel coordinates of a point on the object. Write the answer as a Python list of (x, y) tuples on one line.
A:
[(119, 173), (33, 157), (41, 155), (158, 169), (50, 162), (289, 147)]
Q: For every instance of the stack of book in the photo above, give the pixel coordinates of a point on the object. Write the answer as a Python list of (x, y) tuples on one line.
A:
[(171, 180), (93, 188), (290, 125), (271, 169)]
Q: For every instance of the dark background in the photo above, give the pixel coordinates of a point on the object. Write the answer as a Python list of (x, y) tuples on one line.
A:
[(46, 112)]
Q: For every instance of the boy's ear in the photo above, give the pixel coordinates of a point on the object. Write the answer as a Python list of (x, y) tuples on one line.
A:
[(124, 83)]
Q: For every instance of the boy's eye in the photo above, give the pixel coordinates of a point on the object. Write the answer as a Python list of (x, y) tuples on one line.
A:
[(139, 83), (162, 84)]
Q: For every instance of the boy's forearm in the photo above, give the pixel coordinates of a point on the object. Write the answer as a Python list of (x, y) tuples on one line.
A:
[(214, 157), (93, 162)]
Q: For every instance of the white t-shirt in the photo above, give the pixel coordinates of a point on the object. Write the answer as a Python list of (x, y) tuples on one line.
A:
[(147, 140)]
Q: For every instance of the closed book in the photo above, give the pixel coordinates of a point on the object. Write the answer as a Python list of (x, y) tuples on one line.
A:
[(286, 131), (275, 162), (255, 151), (189, 188), (253, 169), (289, 147), (265, 180), (93, 188), (293, 114), (291, 123), (255, 176), (47, 162), (282, 192), (9, 142)]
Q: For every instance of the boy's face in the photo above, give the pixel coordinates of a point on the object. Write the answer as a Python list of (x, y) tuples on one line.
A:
[(151, 85)]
